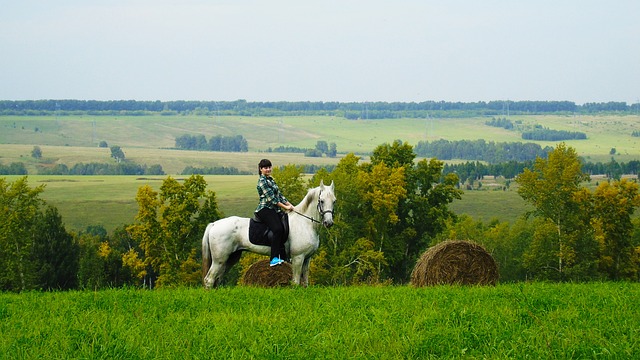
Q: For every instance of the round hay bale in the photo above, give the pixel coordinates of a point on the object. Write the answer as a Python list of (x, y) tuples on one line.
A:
[(262, 275), (455, 262)]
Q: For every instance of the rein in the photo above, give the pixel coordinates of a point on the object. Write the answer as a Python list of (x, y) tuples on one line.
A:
[(320, 210), (308, 217)]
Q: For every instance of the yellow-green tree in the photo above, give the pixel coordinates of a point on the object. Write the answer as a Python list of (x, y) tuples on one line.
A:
[(554, 188), (347, 255), (614, 204), (382, 189), (386, 213), (422, 211), (169, 227)]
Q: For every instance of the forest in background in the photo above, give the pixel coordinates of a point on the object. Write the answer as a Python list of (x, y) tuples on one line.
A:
[(349, 110)]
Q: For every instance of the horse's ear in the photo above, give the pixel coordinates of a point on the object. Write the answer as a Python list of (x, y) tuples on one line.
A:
[(321, 183), (332, 186)]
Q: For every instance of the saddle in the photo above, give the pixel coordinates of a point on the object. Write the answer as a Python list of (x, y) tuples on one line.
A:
[(260, 234)]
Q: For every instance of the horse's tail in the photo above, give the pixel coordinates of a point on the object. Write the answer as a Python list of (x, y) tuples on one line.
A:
[(206, 252)]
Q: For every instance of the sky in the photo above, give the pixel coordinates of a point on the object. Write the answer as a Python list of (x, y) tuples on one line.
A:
[(348, 51)]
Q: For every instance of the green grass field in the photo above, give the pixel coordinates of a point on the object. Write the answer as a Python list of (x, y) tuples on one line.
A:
[(515, 321), (491, 205)]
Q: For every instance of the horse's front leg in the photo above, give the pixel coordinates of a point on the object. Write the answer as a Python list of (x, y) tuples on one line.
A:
[(296, 268)]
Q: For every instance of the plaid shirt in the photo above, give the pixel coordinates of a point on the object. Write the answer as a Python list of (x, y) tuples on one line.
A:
[(269, 194)]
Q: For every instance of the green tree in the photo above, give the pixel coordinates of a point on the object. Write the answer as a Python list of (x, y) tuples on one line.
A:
[(117, 153), (90, 265), (155, 169), (539, 259), (429, 209), (554, 188), (101, 262), (20, 207), (394, 155), (614, 204), (333, 150), (36, 153), (508, 251), (322, 146), (365, 262), (505, 242), (169, 229), (55, 253)]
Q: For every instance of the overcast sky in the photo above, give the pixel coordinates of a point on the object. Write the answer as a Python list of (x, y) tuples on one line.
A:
[(295, 50)]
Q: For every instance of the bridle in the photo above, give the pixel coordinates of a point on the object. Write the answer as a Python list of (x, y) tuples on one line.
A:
[(321, 211)]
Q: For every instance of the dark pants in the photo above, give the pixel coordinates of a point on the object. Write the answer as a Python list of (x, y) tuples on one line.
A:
[(273, 221)]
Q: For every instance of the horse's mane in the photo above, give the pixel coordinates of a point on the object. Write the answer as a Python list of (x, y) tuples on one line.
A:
[(309, 199)]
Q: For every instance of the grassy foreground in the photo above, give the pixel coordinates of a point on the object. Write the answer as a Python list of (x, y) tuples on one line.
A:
[(536, 320)]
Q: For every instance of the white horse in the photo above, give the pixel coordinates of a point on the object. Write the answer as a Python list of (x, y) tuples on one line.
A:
[(224, 240)]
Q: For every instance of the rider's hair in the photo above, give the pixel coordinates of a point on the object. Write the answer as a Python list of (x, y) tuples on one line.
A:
[(263, 164)]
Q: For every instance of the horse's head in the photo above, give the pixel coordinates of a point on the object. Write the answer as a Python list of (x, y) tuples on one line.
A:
[(326, 201)]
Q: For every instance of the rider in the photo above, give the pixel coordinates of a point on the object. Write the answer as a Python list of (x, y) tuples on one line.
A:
[(271, 205)]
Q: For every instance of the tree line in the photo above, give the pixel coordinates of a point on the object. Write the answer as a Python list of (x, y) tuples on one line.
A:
[(538, 132), (481, 150), (213, 170), (612, 169), (130, 168), (15, 168), (236, 143), (500, 122), (349, 110), (389, 211), (321, 148), (475, 170), (123, 168), (552, 135), (467, 171)]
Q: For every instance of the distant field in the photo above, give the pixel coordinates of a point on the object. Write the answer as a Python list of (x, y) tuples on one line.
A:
[(491, 205), (145, 139), (172, 161), (110, 201)]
